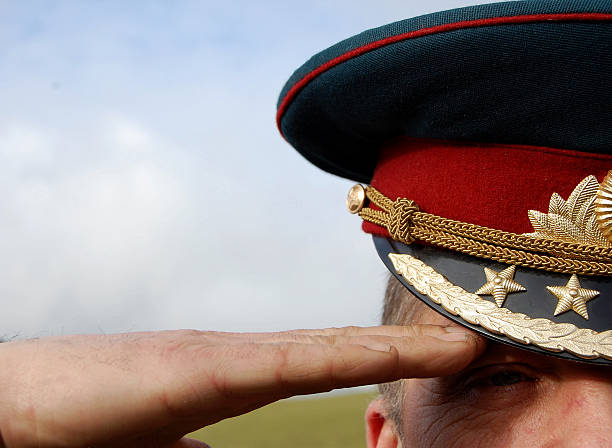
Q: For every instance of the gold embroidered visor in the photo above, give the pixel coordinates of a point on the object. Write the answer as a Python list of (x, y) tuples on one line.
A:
[(465, 124), (549, 290)]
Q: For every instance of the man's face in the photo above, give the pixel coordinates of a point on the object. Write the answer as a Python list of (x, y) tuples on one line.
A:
[(510, 398)]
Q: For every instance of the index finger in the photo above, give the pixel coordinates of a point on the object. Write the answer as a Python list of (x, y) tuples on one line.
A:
[(293, 368)]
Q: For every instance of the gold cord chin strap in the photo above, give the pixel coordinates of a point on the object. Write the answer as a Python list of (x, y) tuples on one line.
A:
[(406, 223)]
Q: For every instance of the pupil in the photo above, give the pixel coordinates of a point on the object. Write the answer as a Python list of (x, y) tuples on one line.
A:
[(506, 378)]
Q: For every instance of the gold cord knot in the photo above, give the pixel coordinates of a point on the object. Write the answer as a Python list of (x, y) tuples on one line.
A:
[(400, 220), (406, 223)]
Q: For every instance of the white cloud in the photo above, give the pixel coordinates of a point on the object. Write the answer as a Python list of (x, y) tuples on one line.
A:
[(143, 183)]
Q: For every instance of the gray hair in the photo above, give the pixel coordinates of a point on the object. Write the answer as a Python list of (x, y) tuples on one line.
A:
[(400, 308)]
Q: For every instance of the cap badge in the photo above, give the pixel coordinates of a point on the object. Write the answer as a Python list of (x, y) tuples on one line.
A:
[(603, 207), (585, 218)]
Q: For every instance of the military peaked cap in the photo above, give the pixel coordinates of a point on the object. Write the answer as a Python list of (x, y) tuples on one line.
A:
[(484, 135)]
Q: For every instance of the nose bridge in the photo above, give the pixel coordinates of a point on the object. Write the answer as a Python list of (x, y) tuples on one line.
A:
[(585, 414)]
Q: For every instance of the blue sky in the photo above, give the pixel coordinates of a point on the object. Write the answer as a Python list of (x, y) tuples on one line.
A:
[(144, 184)]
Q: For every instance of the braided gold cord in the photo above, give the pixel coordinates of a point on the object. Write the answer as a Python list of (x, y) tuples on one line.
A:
[(406, 224), (374, 216), (379, 199), (512, 256), (513, 240)]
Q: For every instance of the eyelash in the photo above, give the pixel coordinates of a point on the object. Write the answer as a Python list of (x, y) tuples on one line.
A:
[(499, 377)]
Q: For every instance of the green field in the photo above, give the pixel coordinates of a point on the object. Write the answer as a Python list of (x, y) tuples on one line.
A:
[(331, 421)]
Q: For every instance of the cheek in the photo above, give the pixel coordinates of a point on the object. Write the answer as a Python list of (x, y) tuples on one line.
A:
[(433, 419), (583, 407)]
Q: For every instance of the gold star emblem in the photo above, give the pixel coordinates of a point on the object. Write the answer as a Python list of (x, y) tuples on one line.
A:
[(572, 297), (500, 284)]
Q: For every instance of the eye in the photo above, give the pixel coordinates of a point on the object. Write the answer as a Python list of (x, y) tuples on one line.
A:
[(499, 376), (508, 377)]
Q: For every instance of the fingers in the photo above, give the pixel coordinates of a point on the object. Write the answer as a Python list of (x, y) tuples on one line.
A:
[(437, 352), (348, 334), (212, 381), (322, 362), (388, 330), (331, 335)]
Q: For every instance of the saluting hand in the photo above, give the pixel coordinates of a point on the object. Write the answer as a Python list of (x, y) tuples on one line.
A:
[(149, 389)]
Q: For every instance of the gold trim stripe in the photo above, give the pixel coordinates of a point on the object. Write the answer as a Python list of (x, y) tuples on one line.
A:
[(406, 223), (543, 333)]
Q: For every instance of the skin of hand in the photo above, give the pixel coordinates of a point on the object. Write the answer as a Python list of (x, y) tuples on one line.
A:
[(149, 389), (506, 398)]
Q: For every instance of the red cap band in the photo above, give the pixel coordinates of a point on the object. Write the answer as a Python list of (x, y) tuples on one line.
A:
[(490, 185)]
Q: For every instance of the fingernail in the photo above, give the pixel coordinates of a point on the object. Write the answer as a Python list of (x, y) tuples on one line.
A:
[(378, 346), (455, 334)]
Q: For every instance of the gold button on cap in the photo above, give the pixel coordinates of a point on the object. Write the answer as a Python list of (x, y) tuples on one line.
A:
[(356, 198)]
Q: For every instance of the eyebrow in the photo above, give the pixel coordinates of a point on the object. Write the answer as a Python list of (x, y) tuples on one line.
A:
[(498, 353)]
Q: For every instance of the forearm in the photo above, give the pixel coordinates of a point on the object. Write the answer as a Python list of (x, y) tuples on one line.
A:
[(7, 385), (18, 397)]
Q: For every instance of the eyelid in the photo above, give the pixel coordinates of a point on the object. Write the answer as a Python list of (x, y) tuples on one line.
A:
[(469, 379)]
